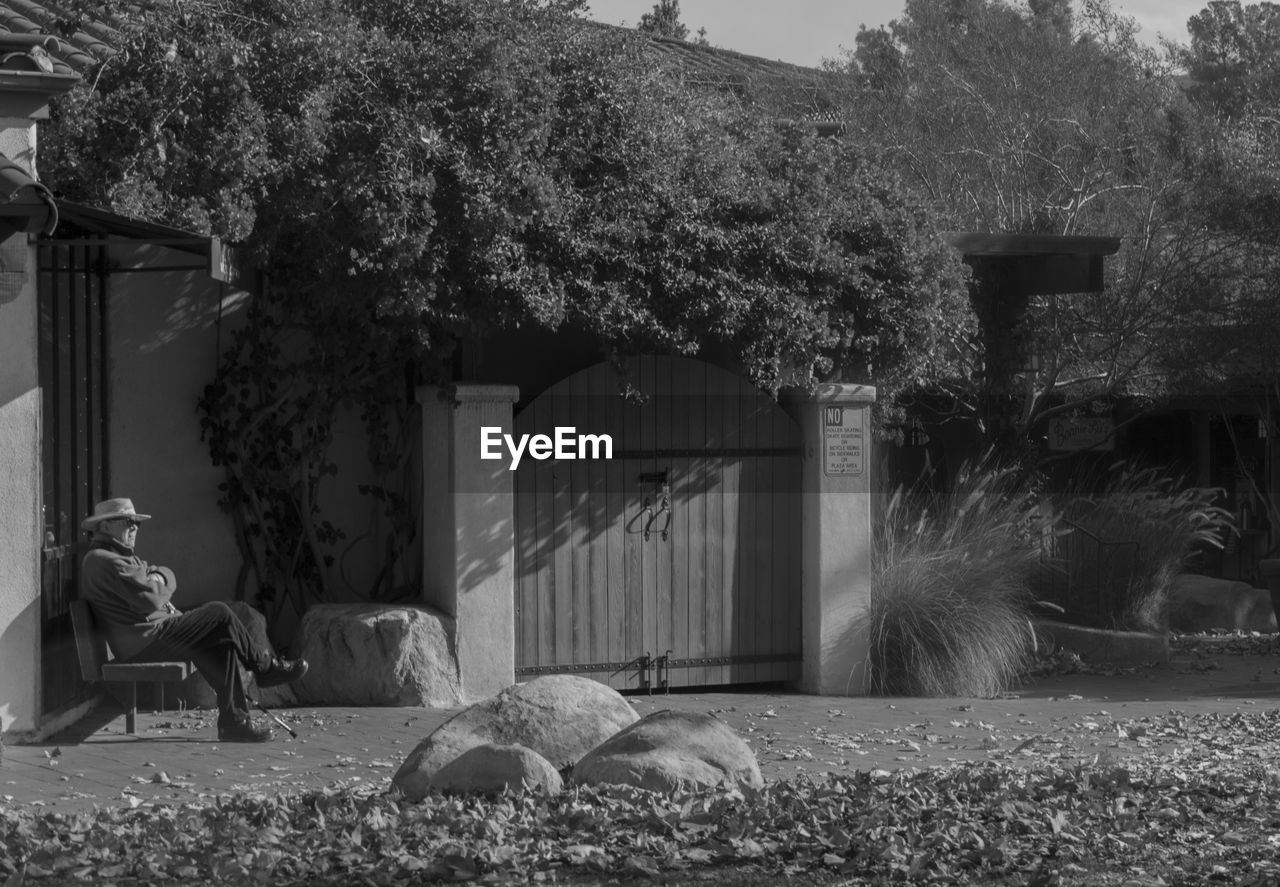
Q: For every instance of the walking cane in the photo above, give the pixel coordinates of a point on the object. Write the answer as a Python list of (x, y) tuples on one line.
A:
[(275, 718)]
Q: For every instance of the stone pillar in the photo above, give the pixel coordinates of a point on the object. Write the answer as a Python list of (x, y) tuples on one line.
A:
[(25, 90), (468, 522), (21, 468), (835, 425)]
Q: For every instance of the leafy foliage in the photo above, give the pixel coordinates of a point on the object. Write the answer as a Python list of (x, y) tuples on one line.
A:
[(664, 21), (1221, 340), (950, 588), (996, 111), (1201, 816), (1232, 57), (956, 576), (414, 174), (1077, 792), (1163, 524), (992, 108)]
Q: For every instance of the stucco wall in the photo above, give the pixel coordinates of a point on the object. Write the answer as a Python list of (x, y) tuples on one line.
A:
[(19, 483), (362, 553), (19, 513), (166, 330), (165, 340), (165, 336)]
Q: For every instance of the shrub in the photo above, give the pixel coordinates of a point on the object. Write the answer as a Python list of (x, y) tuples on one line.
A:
[(950, 588), (1152, 527)]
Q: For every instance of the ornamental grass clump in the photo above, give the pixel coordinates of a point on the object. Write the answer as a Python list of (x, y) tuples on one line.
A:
[(950, 588), (1155, 528)]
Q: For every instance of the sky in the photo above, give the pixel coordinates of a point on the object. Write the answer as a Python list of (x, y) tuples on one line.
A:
[(805, 32)]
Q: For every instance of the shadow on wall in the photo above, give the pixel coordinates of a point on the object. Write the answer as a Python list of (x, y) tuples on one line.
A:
[(494, 538), (167, 331), (370, 561), (18, 670), (855, 637)]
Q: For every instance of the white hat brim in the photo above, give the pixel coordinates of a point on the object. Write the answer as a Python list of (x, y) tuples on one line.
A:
[(90, 522)]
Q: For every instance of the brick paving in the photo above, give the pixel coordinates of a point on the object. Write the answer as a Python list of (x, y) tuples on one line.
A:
[(175, 756)]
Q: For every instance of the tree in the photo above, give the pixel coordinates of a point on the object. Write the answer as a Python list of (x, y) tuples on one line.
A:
[(664, 21), (1222, 345), (1233, 59), (1233, 67), (415, 172), (994, 111)]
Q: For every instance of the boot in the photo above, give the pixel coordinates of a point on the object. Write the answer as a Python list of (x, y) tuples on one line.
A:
[(242, 729), (282, 671)]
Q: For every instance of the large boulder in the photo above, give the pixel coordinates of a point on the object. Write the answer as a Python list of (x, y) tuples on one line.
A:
[(375, 654), (670, 750), (1203, 603), (561, 717), (493, 768)]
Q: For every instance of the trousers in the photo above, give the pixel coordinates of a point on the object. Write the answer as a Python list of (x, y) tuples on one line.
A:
[(219, 645)]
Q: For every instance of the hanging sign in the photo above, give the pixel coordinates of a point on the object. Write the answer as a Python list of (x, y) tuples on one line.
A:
[(1067, 435), (224, 261), (844, 435)]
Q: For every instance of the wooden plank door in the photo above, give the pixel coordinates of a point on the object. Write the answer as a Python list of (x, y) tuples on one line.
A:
[(676, 561)]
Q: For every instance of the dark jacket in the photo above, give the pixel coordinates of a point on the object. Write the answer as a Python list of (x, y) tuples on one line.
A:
[(129, 597)]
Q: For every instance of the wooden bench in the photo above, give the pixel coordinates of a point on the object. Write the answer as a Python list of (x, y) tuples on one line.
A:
[(97, 665)]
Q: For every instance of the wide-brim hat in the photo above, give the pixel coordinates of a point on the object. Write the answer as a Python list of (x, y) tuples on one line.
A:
[(110, 509)]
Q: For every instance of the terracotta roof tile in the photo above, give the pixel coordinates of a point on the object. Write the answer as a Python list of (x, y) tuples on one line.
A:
[(17, 213), (71, 47), (781, 88), (787, 90)]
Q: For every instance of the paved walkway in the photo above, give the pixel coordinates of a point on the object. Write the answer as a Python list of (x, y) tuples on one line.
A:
[(175, 756)]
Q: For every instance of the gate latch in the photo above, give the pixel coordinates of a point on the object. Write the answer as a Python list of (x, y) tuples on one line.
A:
[(664, 670)]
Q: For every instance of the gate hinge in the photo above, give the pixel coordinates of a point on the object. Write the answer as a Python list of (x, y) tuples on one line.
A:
[(642, 664)]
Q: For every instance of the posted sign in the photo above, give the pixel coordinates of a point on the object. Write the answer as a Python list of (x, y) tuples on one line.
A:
[(224, 262), (844, 432), (1067, 435)]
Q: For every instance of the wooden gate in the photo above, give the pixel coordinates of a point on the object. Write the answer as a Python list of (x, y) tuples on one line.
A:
[(72, 373), (676, 562)]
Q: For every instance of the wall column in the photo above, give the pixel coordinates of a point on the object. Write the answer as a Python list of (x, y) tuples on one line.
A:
[(25, 90), (835, 423), (468, 522), (21, 472)]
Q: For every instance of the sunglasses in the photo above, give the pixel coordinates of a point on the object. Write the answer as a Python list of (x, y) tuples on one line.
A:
[(129, 522)]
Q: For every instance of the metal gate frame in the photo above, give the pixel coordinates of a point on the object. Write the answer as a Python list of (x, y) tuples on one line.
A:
[(71, 291)]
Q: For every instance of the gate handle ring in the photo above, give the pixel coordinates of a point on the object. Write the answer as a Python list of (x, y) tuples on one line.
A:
[(666, 527)]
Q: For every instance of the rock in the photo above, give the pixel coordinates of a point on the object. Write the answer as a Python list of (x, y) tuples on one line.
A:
[(195, 690), (561, 717), (373, 654), (1203, 603), (669, 750), (493, 768), (1099, 645)]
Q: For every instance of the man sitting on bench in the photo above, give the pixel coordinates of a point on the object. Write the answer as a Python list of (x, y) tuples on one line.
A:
[(131, 602)]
